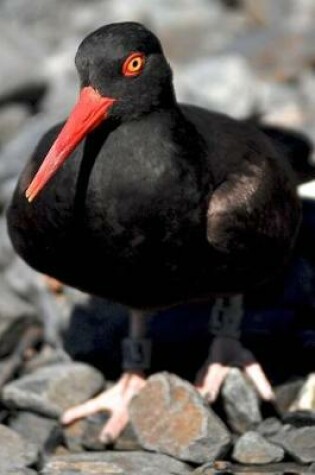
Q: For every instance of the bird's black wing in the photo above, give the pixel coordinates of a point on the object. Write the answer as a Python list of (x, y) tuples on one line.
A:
[(254, 211)]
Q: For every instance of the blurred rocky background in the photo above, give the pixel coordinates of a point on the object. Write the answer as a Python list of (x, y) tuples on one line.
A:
[(246, 58)]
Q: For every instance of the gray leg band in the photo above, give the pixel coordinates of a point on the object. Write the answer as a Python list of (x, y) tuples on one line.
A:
[(136, 353), (226, 317)]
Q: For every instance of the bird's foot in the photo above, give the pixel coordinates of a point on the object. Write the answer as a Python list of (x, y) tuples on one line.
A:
[(114, 400), (225, 354)]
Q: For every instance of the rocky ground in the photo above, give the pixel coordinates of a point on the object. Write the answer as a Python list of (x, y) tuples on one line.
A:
[(58, 347)]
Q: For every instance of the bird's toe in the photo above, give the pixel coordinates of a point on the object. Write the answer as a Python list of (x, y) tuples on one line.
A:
[(114, 400)]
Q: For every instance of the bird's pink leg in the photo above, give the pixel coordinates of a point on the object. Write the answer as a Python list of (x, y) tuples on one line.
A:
[(255, 372), (210, 379), (227, 352), (114, 400), (136, 357)]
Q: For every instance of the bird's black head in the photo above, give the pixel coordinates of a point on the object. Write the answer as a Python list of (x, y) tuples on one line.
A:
[(124, 75), (125, 61)]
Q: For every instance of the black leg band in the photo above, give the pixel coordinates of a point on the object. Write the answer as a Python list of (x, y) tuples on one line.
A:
[(136, 353), (226, 317)]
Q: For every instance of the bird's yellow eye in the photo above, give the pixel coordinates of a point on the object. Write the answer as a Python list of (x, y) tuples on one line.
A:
[(133, 65)]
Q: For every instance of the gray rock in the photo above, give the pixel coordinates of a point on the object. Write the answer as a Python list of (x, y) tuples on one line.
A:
[(6, 250), (63, 80), (16, 454), (214, 468), (299, 443), (307, 84), (73, 436), (279, 437), (300, 418), (22, 471), (240, 402), (286, 394), (128, 440), (252, 448), (16, 152), (279, 49), (92, 430), (176, 14), (21, 58), (12, 118), (224, 83), (44, 433), (22, 279), (281, 103), (16, 315), (311, 468), (51, 390), (47, 356), (32, 287), (84, 434), (6, 191), (170, 417), (269, 427), (267, 11), (50, 24), (302, 14), (124, 463)]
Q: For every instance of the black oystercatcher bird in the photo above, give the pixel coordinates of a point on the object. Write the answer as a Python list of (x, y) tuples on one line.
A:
[(150, 203)]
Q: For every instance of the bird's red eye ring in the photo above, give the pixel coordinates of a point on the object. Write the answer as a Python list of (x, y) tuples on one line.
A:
[(133, 65)]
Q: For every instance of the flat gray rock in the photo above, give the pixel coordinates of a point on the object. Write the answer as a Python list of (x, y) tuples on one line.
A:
[(31, 287), (6, 192), (241, 402), (22, 279), (122, 463), (47, 356), (22, 471), (16, 315), (6, 250), (300, 418), (12, 117), (50, 390), (311, 468), (299, 443), (222, 83), (277, 98), (44, 433), (52, 23), (287, 393), (16, 454), (21, 58), (17, 151), (269, 427), (214, 468), (253, 448), (84, 434), (170, 417)]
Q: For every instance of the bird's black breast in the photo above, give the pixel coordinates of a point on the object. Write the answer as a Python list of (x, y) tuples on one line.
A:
[(122, 215)]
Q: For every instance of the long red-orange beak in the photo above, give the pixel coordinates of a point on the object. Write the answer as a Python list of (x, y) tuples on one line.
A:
[(90, 110)]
